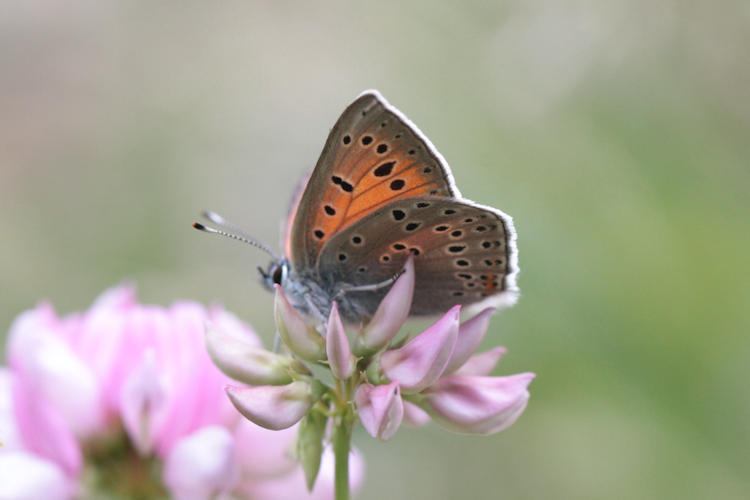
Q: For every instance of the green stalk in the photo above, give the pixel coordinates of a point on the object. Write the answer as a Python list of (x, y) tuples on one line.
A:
[(342, 436)]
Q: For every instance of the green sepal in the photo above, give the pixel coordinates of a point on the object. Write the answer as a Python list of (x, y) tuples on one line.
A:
[(310, 444)]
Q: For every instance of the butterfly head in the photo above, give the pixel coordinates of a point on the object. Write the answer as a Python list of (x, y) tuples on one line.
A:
[(276, 274)]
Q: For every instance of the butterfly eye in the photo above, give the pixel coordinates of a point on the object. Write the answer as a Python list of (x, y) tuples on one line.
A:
[(277, 274)]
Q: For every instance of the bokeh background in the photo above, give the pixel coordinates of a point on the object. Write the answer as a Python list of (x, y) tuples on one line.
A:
[(616, 133)]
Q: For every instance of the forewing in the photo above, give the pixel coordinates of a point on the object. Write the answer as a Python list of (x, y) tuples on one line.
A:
[(373, 156), (465, 254)]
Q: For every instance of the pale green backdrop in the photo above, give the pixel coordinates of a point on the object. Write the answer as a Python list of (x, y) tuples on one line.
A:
[(616, 133)]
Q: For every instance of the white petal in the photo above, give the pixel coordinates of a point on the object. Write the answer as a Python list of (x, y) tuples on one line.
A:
[(24, 476), (202, 465), (10, 436)]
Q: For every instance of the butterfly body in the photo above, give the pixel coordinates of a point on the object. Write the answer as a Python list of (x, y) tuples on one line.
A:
[(379, 192)]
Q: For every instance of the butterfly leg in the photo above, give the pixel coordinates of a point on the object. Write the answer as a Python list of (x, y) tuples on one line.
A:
[(344, 289), (314, 309)]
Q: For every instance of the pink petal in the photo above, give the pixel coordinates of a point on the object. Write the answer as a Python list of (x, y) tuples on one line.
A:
[(10, 435), (245, 362), (478, 405), (292, 486), (202, 465), (380, 409), (423, 359), (414, 415), (227, 323), (142, 403), (43, 429), (264, 453), (194, 386), (106, 344), (302, 339), (273, 407), (24, 476), (337, 347), (54, 395), (470, 335), (390, 315), (121, 297), (39, 353), (482, 364), (98, 338)]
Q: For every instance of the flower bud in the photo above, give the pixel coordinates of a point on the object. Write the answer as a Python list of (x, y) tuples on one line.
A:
[(275, 407), (390, 315), (247, 363), (299, 337), (380, 409), (423, 359), (337, 347)]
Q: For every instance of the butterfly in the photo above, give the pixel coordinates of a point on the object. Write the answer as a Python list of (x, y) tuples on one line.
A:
[(379, 192)]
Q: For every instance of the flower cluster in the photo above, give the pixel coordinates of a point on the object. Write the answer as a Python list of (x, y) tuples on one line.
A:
[(123, 400), (374, 378)]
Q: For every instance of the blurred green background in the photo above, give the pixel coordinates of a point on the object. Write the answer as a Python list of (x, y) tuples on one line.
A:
[(616, 133)]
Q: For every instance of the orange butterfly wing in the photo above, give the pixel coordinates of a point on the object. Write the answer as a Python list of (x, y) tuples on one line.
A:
[(373, 156)]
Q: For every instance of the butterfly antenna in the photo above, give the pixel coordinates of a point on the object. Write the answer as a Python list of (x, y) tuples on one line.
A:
[(221, 221), (243, 238)]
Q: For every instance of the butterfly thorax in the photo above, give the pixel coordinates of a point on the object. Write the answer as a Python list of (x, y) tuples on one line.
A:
[(307, 294), (303, 290), (311, 295)]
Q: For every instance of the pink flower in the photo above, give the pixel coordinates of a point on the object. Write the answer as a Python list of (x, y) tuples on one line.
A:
[(479, 405), (301, 338), (390, 314), (73, 383), (380, 409), (337, 347), (469, 337), (419, 363), (274, 407), (248, 363), (440, 377)]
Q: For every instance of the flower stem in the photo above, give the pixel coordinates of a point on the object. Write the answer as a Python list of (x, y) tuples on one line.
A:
[(342, 436)]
